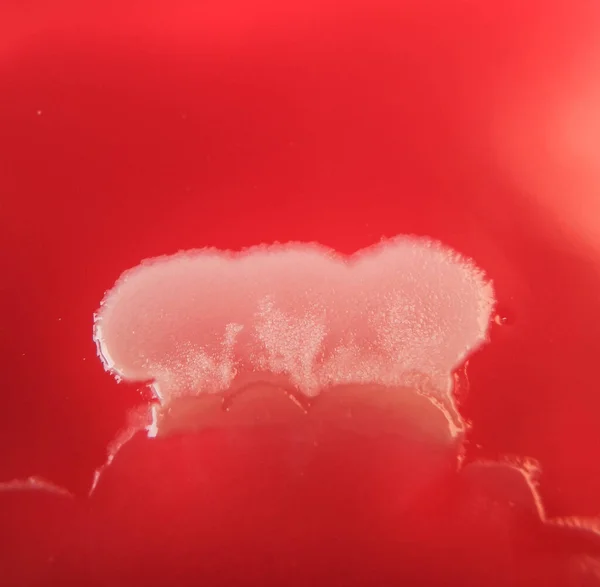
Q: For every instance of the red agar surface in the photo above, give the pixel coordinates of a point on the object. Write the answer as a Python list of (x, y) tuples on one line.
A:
[(131, 132)]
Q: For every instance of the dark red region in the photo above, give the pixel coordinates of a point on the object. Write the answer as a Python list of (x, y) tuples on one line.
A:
[(253, 509), (130, 132)]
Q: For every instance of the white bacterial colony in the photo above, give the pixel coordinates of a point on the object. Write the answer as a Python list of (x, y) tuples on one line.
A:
[(405, 312)]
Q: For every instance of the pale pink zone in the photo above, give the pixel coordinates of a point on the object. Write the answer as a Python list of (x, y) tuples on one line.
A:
[(402, 313)]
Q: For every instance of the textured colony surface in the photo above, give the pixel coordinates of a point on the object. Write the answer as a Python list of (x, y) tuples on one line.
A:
[(402, 314)]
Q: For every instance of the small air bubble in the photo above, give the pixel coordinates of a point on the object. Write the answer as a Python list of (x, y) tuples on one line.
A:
[(503, 319)]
